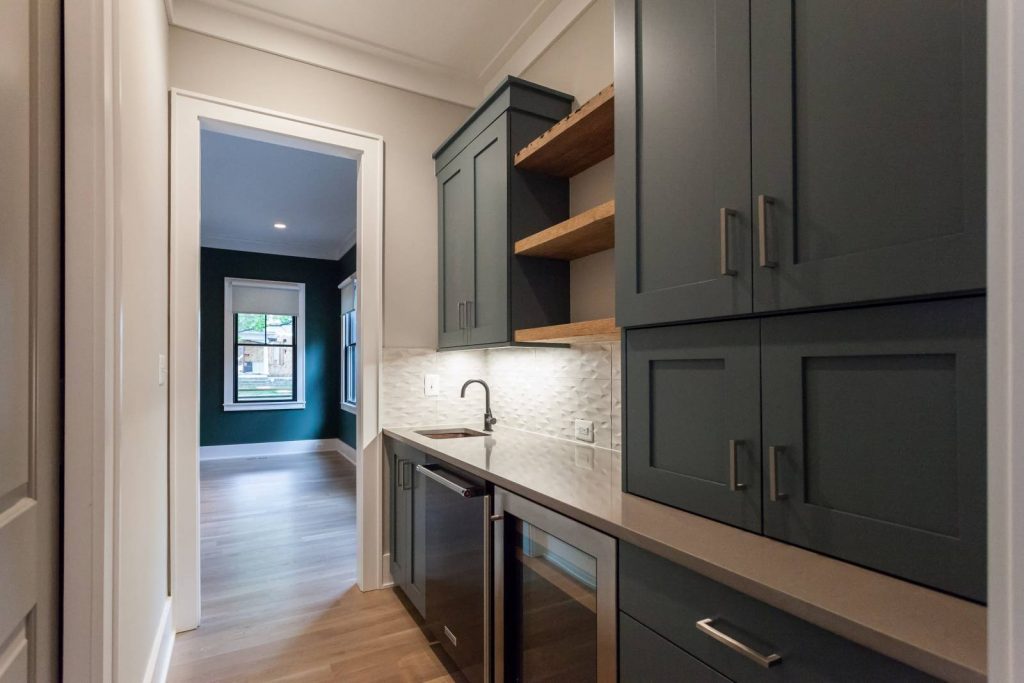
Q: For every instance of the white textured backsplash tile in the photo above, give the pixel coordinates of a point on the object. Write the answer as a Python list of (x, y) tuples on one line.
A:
[(541, 390)]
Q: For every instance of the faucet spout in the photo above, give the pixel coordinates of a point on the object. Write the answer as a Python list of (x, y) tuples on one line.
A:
[(489, 420)]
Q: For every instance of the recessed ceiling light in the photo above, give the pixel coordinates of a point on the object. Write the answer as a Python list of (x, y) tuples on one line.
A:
[(280, 226)]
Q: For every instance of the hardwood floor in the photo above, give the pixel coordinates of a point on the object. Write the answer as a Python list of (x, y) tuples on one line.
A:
[(280, 601)]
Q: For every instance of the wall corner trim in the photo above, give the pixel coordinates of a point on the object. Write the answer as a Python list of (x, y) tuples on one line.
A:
[(159, 662)]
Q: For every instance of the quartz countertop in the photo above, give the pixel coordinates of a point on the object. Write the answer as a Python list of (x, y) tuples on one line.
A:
[(932, 631)]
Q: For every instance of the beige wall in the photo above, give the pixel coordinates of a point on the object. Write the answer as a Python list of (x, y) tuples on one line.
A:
[(412, 127), (581, 62), (141, 204)]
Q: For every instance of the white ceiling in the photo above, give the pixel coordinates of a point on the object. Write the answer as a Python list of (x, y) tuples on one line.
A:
[(250, 184), (455, 50)]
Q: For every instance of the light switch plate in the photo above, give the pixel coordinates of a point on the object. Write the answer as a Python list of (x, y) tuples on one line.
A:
[(161, 369), (431, 385), (585, 430)]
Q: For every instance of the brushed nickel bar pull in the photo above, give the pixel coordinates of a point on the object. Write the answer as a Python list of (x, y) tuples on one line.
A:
[(763, 202), (470, 314), (462, 312), (773, 475), (723, 234), (705, 627), (733, 484)]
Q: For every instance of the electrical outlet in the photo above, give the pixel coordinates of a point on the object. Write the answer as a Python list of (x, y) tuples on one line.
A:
[(431, 385), (585, 430)]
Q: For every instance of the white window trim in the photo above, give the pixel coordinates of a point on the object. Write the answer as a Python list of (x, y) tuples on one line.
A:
[(230, 405), (353, 408)]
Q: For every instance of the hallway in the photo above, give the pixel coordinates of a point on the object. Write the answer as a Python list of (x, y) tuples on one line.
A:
[(279, 593)]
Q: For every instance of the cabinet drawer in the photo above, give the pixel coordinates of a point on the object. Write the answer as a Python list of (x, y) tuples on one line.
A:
[(646, 657), (671, 600)]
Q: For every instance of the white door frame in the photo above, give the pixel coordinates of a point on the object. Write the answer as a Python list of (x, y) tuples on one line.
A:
[(1005, 341), (189, 113)]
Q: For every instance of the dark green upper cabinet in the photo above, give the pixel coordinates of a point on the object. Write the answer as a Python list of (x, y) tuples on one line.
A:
[(682, 140), (868, 149), (692, 409), (485, 292), (874, 438), (786, 154)]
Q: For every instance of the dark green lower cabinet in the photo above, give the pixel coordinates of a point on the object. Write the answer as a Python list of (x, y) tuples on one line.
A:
[(857, 433), (694, 421), (692, 613), (407, 530), (646, 657), (874, 433)]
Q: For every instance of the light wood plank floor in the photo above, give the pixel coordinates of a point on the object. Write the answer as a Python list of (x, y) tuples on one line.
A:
[(280, 602)]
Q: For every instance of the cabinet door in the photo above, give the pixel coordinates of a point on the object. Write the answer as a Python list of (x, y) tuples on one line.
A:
[(455, 251), (416, 574), (877, 421), (487, 165), (694, 421), (869, 148), (682, 139), (399, 520)]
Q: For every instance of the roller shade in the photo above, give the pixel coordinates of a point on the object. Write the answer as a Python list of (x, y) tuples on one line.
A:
[(348, 297), (276, 299)]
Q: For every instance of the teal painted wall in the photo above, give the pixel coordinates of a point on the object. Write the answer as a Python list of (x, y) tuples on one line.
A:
[(320, 419)]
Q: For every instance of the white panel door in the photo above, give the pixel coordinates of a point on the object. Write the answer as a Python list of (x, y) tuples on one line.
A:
[(30, 431)]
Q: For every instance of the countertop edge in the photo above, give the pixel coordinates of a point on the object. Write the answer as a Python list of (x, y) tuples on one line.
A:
[(876, 637)]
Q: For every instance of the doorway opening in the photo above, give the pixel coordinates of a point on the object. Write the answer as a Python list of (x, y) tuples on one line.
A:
[(275, 337)]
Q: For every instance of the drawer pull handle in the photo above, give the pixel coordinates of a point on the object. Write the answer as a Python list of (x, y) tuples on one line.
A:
[(773, 475), (723, 235), (704, 626), (763, 204), (733, 484)]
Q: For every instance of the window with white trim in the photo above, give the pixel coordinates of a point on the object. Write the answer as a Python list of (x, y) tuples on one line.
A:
[(264, 345), (349, 339)]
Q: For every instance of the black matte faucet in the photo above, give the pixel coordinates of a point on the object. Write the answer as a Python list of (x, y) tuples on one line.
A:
[(488, 418)]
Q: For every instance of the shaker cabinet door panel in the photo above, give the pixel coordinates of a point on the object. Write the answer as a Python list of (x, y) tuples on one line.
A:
[(874, 436), (682, 114), (693, 417), (487, 160), (868, 138), (455, 213)]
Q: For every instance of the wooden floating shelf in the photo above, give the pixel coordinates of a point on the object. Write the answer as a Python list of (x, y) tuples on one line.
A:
[(603, 330), (575, 143), (582, 235)]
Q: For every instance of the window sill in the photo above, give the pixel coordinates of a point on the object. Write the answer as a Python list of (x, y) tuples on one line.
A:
[(282, 405), (349, 408)]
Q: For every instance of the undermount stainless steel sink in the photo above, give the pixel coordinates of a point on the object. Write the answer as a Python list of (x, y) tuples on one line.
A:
[(455, 433)]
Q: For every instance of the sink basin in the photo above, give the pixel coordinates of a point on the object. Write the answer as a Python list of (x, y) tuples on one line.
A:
[(456, 433)]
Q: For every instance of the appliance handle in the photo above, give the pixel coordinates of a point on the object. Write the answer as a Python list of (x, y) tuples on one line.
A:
[(450, 484)]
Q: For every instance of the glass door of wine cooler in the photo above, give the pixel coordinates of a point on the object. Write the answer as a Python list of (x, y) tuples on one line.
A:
[(554, 590)]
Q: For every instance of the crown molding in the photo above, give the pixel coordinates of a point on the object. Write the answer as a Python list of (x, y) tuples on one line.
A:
[(238, 22)]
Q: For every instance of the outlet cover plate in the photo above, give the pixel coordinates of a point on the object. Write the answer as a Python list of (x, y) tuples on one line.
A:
[(585, 430), (431, 385)]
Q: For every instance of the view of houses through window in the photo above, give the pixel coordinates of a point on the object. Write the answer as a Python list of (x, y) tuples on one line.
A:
[(265, 357)]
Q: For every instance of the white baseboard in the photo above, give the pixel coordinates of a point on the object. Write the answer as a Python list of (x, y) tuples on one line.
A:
[(163, 645), (347, 451), (388, 580), (250, 450)]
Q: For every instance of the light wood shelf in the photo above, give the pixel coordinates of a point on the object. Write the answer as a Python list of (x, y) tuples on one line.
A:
[(603, 330), (575, 143), (582, 235)]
